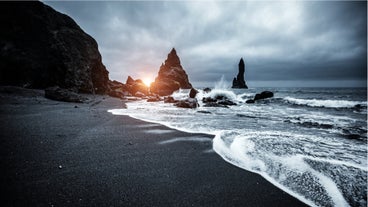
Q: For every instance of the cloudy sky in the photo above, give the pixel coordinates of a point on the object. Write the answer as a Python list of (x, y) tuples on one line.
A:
[(283, 43)]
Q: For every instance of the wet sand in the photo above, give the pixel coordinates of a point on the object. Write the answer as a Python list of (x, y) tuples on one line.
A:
[(67, 154)]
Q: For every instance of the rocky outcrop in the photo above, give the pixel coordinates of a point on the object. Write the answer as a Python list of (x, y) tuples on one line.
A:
[(193, 92), (135, 87), (130, 88), (217, 101), (117, 89), (206, 90), (263, 95), (171, 76), (59, 94), (169, 99), (187, 103), (260, 96), (40, 48), (239, 81)]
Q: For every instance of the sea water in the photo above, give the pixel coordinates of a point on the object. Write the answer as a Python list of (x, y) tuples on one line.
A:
[(309, 142)]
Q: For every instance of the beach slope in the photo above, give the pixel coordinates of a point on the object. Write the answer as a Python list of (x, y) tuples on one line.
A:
[(67, 154)]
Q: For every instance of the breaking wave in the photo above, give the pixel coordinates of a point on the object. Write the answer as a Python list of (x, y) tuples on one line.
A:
[(307, 151), (326, 103)]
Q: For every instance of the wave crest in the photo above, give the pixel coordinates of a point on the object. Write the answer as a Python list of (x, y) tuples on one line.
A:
[(326, 103)]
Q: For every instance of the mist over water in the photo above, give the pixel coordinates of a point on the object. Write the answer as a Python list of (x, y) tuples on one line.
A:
[(310, 142)]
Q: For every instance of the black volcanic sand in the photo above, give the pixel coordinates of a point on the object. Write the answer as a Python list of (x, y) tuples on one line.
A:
[(67, 154)]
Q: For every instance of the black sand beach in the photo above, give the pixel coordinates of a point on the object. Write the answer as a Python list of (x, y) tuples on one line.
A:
[(67, 154)]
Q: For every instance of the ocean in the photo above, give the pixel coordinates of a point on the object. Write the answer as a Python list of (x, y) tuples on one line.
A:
[(309, 142)]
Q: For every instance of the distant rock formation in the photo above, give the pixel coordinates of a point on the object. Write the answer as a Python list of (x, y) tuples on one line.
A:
[(40, 48), (239, 81), (171, 76), (136, 86), (130, 88)]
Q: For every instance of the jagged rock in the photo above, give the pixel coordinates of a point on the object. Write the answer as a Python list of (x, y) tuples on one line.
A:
[(113, 85), (59, 94), (134, 86), (169, 99), (263, 95), (117, 89), (250, 101), (130, 81), (171, 76), (206, 90), (239, 81), (218, 101), (187, 103), (193, 92), (40, 48)]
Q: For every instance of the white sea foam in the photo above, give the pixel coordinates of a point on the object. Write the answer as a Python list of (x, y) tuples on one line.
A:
[(274, 140), (325, 103), (222, 83), (158, 131), (221, 92), (186, 139)]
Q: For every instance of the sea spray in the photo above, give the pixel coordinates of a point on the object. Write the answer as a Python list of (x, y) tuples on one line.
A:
[(317, 154), (222, 83)]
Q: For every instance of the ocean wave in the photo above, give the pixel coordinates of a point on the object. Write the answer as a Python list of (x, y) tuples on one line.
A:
[(299, 150), (285, 159), (326, 103)]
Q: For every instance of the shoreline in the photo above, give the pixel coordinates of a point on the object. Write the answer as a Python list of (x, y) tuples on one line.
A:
[(57, 153)]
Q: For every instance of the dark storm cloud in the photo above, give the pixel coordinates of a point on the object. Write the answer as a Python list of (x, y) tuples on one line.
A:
[(278, 40)]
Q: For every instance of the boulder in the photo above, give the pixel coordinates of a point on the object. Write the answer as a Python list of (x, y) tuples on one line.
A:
[(169, 99), (263, 95), (250, 101), (239, 81), (154, 99), (41, 48), (193, 92), (206, 90), (187, 103), (60, 94), (217, 101), (171, 76)]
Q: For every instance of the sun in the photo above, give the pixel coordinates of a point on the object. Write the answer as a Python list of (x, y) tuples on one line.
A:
[(147, 81)]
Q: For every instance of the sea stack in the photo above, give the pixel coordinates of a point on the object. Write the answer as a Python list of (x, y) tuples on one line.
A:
[(239, 81), (40, 48), (171, 76)]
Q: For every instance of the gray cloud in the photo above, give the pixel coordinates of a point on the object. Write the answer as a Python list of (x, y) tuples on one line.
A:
[(280, 41)]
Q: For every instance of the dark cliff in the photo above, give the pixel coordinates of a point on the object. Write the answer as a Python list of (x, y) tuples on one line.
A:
[(40, 47)]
